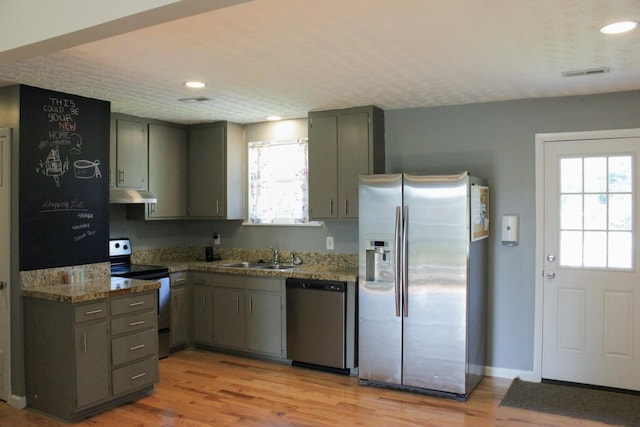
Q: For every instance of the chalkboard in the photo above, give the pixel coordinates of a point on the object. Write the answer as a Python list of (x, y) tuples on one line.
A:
[(64, 188)]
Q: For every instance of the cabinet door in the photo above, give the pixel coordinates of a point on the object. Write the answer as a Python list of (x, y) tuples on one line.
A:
[(264, 323), (323, 163), (93, 368), (131, 153), (167, 171), (207, 172), (179, 316), (228, 318), (353, 160), (202, 315)]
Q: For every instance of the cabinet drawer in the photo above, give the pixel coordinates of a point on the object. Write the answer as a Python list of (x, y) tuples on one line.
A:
[(132, 347), (262, 284), (133, 303), (92, 311), (178, 279), (135, 376), (134, 322)]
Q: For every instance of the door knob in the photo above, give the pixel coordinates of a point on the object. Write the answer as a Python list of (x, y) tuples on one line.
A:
[(551, 275), (2, 285), (551, 258)]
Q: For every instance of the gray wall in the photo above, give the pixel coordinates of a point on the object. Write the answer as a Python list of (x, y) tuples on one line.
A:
[(497, 141), (493, 140)]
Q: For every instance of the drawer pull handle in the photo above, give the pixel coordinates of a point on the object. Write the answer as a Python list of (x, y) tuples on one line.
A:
[(136, 347), (136, 323), (181, 280), (135, 377), (87, 313), (134, 304)]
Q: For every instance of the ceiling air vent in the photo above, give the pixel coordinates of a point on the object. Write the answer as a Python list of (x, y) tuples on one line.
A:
[(194, 100), (589, 72)]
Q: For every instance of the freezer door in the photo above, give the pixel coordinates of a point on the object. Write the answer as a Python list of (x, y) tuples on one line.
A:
[(380, 321), (437, 230)]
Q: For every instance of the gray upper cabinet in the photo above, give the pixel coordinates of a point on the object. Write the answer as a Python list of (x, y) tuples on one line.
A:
[(130, 169), (216, 171), (343, 144), (323, 166), (167, 172)]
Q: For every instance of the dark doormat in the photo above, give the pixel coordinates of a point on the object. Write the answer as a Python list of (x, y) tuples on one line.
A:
[(573, 401)]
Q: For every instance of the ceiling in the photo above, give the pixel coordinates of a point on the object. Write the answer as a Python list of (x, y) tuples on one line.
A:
[(288, 57)]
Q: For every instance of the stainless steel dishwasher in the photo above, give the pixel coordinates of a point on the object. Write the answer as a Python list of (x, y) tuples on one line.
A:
[(316, 324)]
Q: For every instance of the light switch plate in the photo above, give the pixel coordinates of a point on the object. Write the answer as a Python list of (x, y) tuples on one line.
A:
[(330, 243)]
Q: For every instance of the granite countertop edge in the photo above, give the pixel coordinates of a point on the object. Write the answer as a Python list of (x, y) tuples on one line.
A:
[(90, 290)]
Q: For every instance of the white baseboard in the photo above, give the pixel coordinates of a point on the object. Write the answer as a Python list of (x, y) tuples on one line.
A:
[(492, 371), (19, 402)]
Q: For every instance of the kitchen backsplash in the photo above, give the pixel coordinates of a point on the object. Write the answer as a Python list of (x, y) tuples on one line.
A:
[(195, 253)]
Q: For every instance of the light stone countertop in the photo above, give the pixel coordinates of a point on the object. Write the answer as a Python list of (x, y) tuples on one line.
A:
[(90, 290), (304, 271)]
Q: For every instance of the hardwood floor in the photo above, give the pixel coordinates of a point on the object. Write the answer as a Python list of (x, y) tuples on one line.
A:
[(199, 388)]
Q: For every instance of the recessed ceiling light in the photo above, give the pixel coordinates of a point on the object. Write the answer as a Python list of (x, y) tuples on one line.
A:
[(272, 118), (194, 84), (619, 27)]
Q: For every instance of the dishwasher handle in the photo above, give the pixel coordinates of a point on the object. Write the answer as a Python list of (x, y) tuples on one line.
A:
[(317, 285)]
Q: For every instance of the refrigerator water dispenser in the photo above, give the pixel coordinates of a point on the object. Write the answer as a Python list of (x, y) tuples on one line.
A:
[(379, 267)]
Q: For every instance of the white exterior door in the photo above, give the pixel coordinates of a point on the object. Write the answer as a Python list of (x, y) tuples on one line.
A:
[(591, 282), (5, 216)]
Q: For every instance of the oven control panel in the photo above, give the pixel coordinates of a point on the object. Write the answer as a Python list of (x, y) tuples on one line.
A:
[(119, 247)]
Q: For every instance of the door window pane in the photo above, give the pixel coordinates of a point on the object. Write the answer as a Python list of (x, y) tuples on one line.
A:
[(595, 174), (571, 175), (620, 175), (571, 248), (596, 212), (620, 250), (571, 212), (620, 210), (595, 249)]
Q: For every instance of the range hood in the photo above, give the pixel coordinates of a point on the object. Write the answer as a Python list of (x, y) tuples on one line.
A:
[(129, 195)]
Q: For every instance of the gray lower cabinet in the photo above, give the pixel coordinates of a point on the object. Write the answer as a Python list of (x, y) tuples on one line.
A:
[(76, 354), (202, 310), (264, 323), (92, 363), (134, 342), (228, 318), (244, 313), (180, 310)]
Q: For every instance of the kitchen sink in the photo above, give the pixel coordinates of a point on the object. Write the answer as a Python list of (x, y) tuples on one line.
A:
[(259, 266), (244, 265), (277, 267)]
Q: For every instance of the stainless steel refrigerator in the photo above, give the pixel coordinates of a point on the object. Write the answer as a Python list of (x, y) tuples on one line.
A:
[(422, 282)]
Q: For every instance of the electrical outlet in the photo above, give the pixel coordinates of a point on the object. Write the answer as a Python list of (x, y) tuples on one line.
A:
[(216, 239), (329, 243)]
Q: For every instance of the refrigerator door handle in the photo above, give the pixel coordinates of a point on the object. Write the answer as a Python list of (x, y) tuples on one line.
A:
[(405, 261), (398, 259)]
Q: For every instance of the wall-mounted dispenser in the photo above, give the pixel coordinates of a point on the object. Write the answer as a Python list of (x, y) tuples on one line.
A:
[(510, 229)]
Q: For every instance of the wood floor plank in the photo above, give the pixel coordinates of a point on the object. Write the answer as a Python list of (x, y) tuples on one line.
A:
[(200, 388)]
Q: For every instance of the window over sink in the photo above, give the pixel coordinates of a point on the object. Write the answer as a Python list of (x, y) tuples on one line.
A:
[(278, 182)]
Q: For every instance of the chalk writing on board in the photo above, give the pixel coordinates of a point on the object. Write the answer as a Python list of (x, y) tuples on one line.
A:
[(63, 206), (62, 113)]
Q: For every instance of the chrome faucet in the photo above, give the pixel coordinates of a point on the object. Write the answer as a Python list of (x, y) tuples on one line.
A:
[(275, 259)]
